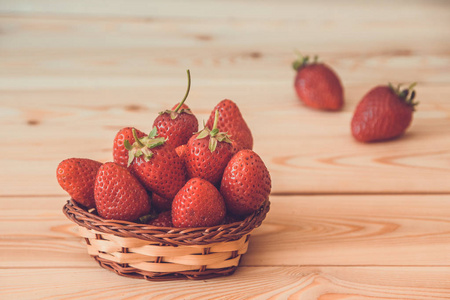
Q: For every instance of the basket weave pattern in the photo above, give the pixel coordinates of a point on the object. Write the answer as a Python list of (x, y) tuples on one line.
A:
[(158, 253)]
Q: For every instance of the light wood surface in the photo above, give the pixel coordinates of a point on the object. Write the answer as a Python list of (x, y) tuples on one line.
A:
[(347, 220)]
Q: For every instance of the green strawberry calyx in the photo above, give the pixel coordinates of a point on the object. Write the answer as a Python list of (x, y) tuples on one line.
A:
[(405, 94), (143, 146), (303, 61), (215, 136), (178, 110)]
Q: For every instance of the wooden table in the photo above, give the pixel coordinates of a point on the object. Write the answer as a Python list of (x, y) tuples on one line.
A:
[(347, 221)]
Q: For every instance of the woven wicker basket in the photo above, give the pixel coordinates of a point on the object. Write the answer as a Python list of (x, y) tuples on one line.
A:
[(158, 253)]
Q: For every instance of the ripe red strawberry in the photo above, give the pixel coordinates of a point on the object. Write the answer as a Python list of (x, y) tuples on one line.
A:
[(198, 204), (232, 122), (160, 203), (77, 177), (164, 219), (120, 153), (181, 151), (317, 85), (246, 183), (178, 124), (208, 153), (157, 165), (383, 113), (119, 195)]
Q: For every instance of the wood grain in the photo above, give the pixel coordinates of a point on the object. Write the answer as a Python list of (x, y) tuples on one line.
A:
[(325, 283), (299, 230), (347, 221), (93, 75), (306, 151)]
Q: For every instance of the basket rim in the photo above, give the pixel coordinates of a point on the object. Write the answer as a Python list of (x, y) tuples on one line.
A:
[(166, 235)]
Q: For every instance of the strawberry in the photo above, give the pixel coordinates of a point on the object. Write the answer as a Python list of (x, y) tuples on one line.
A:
[(232, 122), (119, 195), (181, 151), (317, 85), (164, 219), (160, 203), (207, 153), (198, 204), (157, 165), (383, 113), (178, 124), (77, 177), (246, 183), (120, 153)]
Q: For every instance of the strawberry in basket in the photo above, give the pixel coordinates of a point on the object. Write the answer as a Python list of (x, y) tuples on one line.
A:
[(77, 177), (207, 153), (246, 183), (178, 124), (156, 165), (119, 195), (232, 122)]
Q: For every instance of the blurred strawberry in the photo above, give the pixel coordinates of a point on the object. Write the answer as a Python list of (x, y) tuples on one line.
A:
[(317, 85), (383, 113)]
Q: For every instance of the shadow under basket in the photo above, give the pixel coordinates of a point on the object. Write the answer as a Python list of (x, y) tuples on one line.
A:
[(161, 253)]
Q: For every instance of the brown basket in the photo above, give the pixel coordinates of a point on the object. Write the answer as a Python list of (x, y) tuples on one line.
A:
[(159, 253)]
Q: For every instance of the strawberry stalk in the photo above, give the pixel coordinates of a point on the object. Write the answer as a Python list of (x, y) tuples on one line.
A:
[(178, 110), (142, 146), (187, 92), (404, 93), (302, 61), (214, 134)]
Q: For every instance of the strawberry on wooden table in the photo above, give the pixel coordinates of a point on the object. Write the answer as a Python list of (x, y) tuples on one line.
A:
[(120, 151), (317, 85), (178, 124), (246, 183), (119, 195), (383, 113), (198, 204), (77, 177), (207, 153), (232, 122), (156, 165)]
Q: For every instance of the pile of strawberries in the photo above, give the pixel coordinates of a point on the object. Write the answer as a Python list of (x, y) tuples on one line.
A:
[(175, 176), (384, 113)]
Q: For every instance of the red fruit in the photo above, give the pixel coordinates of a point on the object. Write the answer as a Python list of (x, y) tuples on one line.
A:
[(160, 203), (157, 165), (119, 195), (120, 152), (317, 85), (207, 154), (229, 219), (164, 219), (181, 151), (77, 177), (177, 125), (198, 204), (383, 113), (246, 183), (232, 122)]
